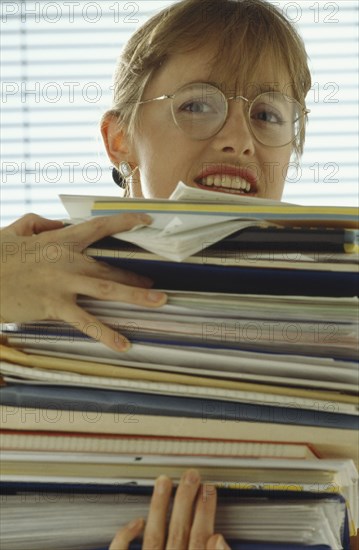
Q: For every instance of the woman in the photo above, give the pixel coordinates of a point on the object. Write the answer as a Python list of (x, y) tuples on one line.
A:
[(211, 92)]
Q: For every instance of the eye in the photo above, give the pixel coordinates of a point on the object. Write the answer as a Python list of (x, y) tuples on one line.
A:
[(196, 106), (267, 114)]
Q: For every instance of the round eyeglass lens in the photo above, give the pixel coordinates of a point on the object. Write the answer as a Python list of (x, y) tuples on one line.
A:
[(199, 110), (275, 119)]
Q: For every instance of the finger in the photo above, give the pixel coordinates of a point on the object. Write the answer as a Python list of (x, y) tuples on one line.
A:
[(182, 512), (204, 517), (31, 224), (93, 328), (40, 225), (125, 535), (216, 542), (155, 531), (103, 289), (102, 270), (81, 235)]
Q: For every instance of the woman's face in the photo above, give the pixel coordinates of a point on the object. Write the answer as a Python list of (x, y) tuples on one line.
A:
[(165, 154)]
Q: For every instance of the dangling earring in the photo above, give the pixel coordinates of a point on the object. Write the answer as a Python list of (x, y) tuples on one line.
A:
[(126, 172)]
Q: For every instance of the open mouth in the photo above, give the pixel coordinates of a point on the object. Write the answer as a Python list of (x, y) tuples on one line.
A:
[(227, 183)]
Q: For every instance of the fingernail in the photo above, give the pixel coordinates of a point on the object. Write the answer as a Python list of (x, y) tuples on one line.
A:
[(145, 218), (155, 297), (191, 477), (208, 491), (220, 543), (135, 523), (161, 485), (122, 344)]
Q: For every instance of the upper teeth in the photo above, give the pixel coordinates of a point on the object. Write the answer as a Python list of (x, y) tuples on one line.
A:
[(225, 180)]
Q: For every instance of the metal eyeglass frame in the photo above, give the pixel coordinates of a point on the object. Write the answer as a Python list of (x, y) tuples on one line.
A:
[(249, 103)]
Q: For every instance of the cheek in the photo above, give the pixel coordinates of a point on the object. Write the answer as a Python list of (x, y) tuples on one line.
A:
[(162, 166), (165, 159), (276, 166), (286, 161)]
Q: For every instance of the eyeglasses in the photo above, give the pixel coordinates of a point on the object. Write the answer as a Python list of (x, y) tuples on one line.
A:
[(201, 110)]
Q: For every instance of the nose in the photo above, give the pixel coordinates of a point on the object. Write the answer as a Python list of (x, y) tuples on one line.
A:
[(235, 136)]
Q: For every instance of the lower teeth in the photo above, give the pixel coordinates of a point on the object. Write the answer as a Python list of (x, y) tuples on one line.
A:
[(225, 188), (229, 189)]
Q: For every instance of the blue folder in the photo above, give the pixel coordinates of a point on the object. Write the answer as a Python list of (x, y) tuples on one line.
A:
[(124, 402), (247, 280)]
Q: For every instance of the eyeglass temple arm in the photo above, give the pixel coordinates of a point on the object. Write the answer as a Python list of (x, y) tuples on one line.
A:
[(305, 112), (155, 99)]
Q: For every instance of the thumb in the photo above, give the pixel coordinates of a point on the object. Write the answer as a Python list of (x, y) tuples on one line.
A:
[(125, 535), (217, 542)]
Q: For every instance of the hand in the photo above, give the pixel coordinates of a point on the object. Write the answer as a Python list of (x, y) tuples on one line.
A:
[(43, 269), (191, 525)]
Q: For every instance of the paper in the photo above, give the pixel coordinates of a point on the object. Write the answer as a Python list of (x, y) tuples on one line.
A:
[(184, 192), (184, 236)]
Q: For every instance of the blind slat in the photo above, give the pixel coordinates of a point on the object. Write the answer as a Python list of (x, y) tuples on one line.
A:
[(49, 115)]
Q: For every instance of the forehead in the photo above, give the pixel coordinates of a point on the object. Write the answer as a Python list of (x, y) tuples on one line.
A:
[(205, 65)]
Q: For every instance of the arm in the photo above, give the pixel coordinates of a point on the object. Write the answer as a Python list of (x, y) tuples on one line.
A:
[(44, 269)]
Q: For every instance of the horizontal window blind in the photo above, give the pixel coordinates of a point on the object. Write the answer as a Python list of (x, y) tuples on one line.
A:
[(57, 62)]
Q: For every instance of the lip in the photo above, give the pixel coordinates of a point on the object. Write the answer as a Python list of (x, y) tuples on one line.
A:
[(223, 169)]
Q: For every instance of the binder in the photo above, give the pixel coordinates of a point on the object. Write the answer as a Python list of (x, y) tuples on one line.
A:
[(224, 495)]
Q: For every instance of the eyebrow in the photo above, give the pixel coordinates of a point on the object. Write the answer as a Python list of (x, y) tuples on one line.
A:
[(269, 88), (215, 84), (262, 88)]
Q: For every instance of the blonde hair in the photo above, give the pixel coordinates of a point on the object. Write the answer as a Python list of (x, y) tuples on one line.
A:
[(243, 30)]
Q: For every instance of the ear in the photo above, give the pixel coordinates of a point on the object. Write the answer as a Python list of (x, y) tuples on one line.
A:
[(115, 140)]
